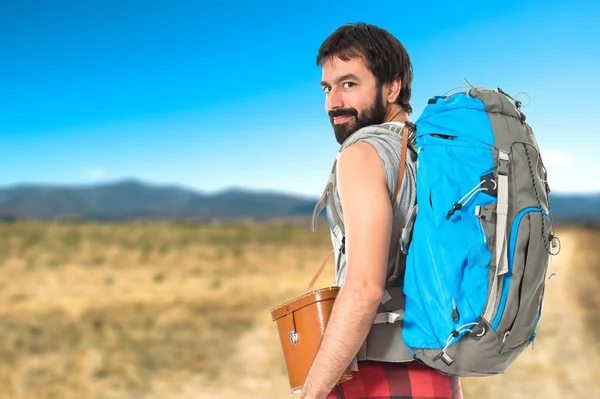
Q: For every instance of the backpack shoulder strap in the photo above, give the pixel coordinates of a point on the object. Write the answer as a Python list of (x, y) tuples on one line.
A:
[(405, 134)]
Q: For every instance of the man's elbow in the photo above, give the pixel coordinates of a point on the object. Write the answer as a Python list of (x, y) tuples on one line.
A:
[(370, 294)]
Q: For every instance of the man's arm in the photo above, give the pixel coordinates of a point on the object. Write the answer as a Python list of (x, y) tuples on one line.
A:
[(368, 222)]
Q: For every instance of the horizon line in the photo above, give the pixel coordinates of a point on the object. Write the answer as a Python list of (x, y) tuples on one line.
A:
[(186, 187)]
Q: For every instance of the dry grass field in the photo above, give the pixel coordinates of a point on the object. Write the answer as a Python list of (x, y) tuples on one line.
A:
[(162, 310)]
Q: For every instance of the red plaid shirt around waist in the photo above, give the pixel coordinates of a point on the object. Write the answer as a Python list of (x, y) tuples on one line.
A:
[(412, 380)]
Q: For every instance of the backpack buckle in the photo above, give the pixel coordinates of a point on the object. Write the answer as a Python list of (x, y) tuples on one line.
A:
[(503, 161), (483, 213), (502, 167)]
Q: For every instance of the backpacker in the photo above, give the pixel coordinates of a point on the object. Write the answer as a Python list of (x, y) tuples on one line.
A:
[(478, 242), (477, 259)]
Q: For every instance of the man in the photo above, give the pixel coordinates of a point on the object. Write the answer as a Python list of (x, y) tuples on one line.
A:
[(366, 77)]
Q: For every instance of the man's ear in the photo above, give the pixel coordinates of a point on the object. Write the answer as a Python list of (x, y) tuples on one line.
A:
[(393, 90)]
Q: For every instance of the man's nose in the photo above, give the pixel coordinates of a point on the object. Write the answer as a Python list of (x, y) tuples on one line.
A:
[(334, 100)]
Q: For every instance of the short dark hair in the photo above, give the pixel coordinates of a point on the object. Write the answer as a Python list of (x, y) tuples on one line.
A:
[(383, 54)]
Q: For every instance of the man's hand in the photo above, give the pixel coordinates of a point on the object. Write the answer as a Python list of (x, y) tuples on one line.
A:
[(368, 222)]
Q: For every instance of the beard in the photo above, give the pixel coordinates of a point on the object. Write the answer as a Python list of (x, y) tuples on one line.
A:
[(373, 115)]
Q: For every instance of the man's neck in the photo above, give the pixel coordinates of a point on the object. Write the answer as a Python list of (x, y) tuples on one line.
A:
[(396, 113)]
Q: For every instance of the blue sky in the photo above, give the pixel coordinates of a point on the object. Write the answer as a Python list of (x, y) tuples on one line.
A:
[(213, 95)]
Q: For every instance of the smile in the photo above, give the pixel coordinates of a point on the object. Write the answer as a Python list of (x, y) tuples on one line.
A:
[(341, 119)]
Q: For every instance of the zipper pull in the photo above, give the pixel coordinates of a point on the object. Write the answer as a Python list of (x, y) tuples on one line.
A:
[(455, 208), (455, 314)]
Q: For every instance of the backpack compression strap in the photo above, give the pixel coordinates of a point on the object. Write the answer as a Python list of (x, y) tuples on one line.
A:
[(405, 134)]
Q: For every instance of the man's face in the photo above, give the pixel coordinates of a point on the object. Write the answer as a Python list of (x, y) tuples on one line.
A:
[(353, 98)]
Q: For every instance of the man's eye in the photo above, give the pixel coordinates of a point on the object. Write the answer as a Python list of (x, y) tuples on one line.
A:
[(326, 89), (348, 85)]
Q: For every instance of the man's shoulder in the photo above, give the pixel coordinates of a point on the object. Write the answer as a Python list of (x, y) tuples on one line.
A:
[(389, 131), (360, 162), (380, 148)]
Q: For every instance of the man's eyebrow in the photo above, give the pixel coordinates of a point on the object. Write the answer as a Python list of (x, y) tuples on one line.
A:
[(348, 76)]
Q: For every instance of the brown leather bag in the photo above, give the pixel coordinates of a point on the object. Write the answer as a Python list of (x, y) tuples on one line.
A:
[(301, 322)]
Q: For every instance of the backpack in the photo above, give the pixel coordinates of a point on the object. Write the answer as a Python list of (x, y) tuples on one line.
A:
[(478, 248)]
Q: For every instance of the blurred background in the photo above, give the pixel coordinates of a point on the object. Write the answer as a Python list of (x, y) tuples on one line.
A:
[(160, 162)]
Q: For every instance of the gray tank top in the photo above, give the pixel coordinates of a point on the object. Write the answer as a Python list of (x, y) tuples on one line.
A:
[(388, 145), (384, 341)]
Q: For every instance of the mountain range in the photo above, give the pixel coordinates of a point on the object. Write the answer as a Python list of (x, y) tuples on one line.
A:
[(138, 200)]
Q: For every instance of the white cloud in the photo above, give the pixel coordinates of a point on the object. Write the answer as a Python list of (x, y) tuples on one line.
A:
[(554, 157), (95, 173), (570, 173)]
